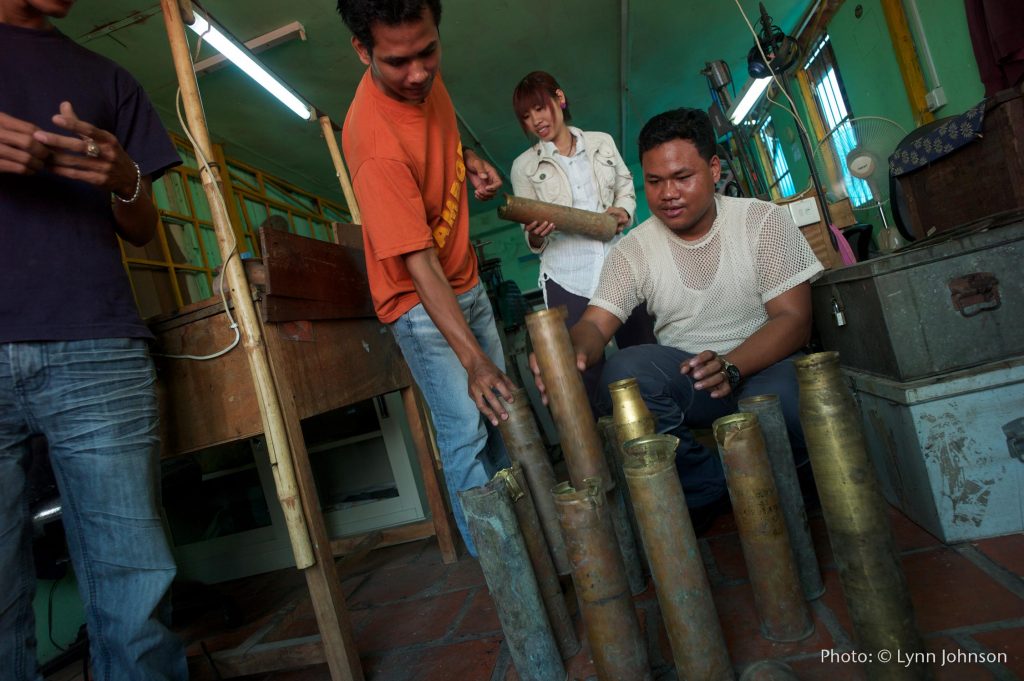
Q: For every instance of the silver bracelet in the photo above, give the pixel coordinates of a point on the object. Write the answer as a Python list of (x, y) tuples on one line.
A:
[(138, 186)]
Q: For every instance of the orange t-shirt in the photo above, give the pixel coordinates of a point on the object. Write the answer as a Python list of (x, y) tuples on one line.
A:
[(410, 180)]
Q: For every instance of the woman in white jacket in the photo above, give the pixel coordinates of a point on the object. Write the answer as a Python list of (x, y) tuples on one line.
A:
[(584, 170)]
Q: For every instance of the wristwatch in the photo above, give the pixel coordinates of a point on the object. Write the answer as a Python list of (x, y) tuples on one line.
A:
[(731, 371)]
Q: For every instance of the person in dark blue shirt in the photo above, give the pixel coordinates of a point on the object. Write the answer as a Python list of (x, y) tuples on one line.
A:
[(80, 146)]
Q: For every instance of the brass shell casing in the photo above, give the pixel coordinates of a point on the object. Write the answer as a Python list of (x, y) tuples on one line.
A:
[(567, 397), (626, 529), (874, 586), (562, 628), (771, 567), (525, 446), (768, 409), (684, 594), (629, 411), (618, 648)]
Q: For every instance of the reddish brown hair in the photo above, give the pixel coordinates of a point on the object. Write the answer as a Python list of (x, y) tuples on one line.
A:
[(538, 88)]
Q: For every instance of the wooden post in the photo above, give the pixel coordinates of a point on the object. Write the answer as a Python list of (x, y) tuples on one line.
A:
[(423, 441), (322, 580), (321, 577), (906, 57), (252, 341), (339, 167)]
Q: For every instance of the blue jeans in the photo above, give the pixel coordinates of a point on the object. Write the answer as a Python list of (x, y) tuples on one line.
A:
[(677, 407), (471, 449), (94, 401)]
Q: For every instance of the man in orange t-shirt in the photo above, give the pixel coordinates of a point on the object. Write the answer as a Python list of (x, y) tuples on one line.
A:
[(409, 173)]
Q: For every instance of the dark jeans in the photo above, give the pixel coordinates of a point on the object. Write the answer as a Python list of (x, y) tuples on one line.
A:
[(677, 407), (638, 330)]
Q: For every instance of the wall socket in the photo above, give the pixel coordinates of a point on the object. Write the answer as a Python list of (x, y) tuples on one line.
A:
[(805, 212)]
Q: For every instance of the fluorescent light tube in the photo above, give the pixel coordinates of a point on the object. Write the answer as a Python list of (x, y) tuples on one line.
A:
[(291, 31), (750, 95), (230, 49)]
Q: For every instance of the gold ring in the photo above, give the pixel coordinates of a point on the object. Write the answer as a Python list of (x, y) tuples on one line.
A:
[(92, 150)]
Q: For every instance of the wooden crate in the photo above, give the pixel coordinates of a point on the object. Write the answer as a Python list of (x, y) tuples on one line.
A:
[(975, 181)]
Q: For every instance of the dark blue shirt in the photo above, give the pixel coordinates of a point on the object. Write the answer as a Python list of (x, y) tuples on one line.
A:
[(61, 276)]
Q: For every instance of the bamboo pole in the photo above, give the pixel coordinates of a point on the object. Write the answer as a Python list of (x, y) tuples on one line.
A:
[(906, 58), (252, 338), (339, 168)]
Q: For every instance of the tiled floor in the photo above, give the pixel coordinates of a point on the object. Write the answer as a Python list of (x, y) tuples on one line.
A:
[(416, 619)]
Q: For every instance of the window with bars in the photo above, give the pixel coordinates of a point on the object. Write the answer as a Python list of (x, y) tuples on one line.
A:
[(834, 110), (782, 184), (176, 268)]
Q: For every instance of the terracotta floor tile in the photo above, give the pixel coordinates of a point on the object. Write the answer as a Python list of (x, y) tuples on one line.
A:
[(385, 586), (741, 627), (464, 574), (388, 557), (907, 533), (944, 647), (481, 618), (833, 599), (300, 622), (1006, 551), (410, 622), (1009, 641), (817, 669), (949, 591), (466, 661)]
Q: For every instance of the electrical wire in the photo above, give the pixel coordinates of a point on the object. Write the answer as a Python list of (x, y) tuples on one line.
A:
[(775, 76), (218, 198), (49, 614)]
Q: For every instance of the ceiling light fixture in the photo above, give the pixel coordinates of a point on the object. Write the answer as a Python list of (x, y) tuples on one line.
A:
[(293, 31), (239, 55), (749, 96)]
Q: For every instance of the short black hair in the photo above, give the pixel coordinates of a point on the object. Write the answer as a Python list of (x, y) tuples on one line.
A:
[(692, 125), (361, 15)]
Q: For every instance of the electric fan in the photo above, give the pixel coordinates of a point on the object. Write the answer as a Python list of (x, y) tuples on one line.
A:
[(853, 159)]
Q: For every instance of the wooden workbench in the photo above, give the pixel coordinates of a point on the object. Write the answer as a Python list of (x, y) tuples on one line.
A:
[(326, 351)]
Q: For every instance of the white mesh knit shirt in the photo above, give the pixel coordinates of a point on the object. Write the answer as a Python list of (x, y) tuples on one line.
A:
[(708, 294)]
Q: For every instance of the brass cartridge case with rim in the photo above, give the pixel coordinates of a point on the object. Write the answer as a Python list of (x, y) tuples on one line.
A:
[(505, 563), (684, 594), (621, 511), (547, 578), (771, 567), (780, 454), (874, 586), (629, 411), (525, 446), (567, 397), (609, 617)]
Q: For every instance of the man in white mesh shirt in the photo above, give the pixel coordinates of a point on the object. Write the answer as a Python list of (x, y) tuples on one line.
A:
[(726, 280)]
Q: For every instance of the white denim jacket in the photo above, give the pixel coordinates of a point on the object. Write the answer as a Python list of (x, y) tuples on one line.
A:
[(572, 260)]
